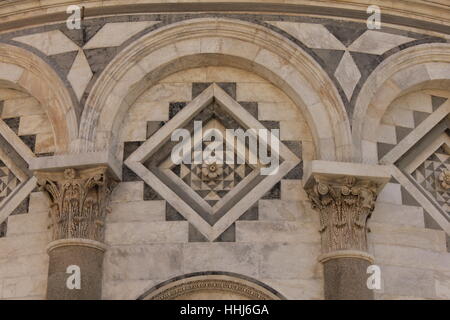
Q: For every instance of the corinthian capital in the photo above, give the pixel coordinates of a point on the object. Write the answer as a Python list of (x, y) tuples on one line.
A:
[(345, 205), (79, 202), (344, 195)]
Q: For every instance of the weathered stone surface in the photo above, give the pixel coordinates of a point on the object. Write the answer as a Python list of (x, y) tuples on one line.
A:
[(404, 281), (144, 211), (230, 257), (290, 261), (292, 232), (139, 262), (338, 92), (146, 232)]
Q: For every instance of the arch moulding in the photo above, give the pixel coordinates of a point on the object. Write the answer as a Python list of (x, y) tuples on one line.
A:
[(216, 41), (23, 70), (404, 71), (211, 285)]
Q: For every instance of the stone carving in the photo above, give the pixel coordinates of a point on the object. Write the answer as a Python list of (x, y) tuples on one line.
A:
[(345, 205), (225, 286), (444, 178), (79, 202), (211, 171), (433, 175)]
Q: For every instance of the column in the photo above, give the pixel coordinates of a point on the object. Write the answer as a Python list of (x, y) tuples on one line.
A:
[(79, 204), (344, 196)]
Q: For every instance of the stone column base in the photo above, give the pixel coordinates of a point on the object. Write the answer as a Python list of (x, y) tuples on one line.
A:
[(88, 256)]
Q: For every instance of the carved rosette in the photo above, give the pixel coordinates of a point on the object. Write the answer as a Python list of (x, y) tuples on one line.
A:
[(79, 202), (444, 179), (345, 206), (212, 171)]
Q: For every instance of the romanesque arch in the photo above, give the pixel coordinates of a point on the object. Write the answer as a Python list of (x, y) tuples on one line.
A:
[(404, 71), (201, 42), (211, 286), (23, 69)]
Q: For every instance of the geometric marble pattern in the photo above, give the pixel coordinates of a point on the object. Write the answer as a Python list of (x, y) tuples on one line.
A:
[(332, 42), (57, 45), (429, 173), (212, 190), (211, 199), (153, 116), (403, 117), (8, 181), (15, 183)]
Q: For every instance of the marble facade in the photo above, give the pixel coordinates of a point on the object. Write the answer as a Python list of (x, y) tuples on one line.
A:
[(86, 176)]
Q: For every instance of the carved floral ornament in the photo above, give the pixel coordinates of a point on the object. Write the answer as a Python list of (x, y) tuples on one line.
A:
[(444, 179), (345, 205), (79, 202), (211, 171)]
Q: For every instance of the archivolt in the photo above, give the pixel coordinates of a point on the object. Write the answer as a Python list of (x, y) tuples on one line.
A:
[(408, 69), (213, 285), (215, 41), (22, 69)]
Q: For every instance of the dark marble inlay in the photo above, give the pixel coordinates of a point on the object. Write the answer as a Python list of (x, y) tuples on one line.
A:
[(65, 61), (437, 102), (13, 124), (346, 32), (251, 107), (150, 194), (30, 141), (195, 235), (175, 107), (172, 214), (228, 235), (199, 87), (251, 214), (3, 229), (274, 193)]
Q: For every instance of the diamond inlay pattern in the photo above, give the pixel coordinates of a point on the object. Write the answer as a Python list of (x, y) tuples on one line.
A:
[(428, 176), (212, 189), (211, 196), (8, 182)]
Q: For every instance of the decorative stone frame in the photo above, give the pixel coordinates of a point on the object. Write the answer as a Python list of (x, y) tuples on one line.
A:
[(225, 282), (211, 232), (212, 41)]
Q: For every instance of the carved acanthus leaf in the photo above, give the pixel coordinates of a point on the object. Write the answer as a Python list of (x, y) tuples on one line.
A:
[(344, 205), (79, 202)]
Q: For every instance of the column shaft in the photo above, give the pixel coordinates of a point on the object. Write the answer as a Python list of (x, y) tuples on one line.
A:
[(90, 262), (346, 279)]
